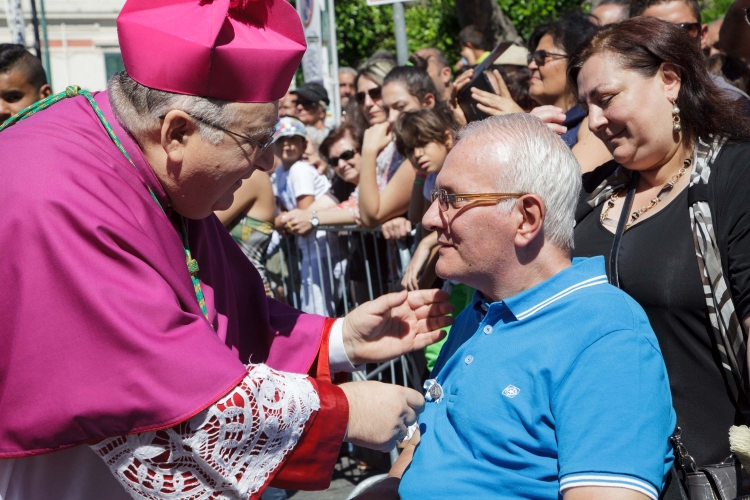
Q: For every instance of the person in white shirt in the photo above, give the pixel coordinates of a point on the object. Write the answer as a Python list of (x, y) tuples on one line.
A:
[(299, 185)]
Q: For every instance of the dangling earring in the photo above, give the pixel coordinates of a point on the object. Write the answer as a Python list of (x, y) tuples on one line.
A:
[(676, 118)]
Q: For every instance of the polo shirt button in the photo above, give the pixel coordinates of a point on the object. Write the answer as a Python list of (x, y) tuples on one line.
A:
[(487, 329), (469, 359), (484, 307)]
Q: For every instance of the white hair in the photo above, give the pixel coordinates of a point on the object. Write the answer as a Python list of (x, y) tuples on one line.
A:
[(534, 160), (348, 70), (139, 108)]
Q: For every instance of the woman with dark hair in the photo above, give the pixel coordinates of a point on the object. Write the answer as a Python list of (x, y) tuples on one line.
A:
[(682, 152), (550, 46)]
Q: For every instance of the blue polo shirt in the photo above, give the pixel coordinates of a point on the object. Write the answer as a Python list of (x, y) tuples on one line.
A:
[(562, 385)]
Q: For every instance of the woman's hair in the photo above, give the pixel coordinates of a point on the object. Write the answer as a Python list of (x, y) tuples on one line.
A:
[(571, 30), (342, 131), (416, 81), (418, 128), (375, 68), (643, 44)]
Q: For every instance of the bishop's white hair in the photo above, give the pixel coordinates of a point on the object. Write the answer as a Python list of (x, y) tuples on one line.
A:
[(534, 160), (138, 108)]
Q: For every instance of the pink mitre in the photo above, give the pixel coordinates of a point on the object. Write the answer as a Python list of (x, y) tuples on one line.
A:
[(234, 50)]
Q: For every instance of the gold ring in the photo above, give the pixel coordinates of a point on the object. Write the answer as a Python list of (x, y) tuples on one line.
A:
[(288, 225)]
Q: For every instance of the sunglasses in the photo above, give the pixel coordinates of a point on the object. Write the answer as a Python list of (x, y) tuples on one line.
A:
[(540, 57), (346, 156), (304, 104), (746, 13), (375, 94), (693, 29)]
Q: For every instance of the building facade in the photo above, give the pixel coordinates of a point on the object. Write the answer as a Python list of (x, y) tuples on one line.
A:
[(82, 37)]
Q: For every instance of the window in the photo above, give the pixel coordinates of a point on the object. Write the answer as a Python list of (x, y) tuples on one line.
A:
[(113, 64)]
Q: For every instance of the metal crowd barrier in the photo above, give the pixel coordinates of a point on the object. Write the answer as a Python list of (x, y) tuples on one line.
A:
[(339, 242)]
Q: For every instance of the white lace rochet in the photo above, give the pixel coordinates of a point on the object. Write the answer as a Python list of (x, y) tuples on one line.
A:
[(227, 451)]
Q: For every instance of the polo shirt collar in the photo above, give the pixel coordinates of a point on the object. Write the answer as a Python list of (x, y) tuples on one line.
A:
[(583, 273)]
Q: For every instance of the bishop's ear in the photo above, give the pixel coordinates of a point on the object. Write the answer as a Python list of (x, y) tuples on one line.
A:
[(177, 128)]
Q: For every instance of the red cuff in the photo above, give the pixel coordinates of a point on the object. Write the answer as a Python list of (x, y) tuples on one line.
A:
[(309, 466), (321, 368)]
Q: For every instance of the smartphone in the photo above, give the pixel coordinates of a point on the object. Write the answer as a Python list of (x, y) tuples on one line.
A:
[(480, 81)]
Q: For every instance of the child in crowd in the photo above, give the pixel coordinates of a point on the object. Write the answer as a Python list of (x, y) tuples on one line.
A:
[(425, 138), (298, 185)]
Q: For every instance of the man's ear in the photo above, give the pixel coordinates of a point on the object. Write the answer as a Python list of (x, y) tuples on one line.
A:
[(446, 74), (177, 128), (45, 91), (533, 212)]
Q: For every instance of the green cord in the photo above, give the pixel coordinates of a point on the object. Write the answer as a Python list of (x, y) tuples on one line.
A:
[(74, 91)]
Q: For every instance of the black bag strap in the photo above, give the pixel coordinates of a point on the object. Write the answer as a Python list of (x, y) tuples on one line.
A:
[(614, 276)]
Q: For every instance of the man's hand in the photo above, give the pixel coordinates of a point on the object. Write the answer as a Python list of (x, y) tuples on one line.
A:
[(380, 414), (552, 116), (394, 324), (396, 229)]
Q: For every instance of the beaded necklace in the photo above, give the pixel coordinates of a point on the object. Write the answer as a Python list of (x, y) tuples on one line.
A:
[(659, 197)]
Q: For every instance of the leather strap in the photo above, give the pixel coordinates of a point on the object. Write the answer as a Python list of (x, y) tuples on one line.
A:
[(614, 276)]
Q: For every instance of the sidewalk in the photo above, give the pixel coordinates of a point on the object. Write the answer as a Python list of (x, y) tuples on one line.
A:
[(345, 479)]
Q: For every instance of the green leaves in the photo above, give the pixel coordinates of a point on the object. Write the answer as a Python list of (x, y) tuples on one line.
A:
[(362, 30), (526, 14)]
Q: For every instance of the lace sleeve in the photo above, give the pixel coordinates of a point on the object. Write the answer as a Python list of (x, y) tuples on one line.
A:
[(229, 450)]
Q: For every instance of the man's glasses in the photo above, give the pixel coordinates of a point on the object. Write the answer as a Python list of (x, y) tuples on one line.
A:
[(746, 13), (540, 57), (693, 29), (258, 147), (346, 156), (375, 94), (445, 200)]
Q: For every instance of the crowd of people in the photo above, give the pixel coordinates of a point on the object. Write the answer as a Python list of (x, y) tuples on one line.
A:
[(590, 236)]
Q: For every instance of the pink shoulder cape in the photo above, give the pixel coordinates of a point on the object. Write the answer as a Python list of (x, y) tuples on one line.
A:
[(101, 331)]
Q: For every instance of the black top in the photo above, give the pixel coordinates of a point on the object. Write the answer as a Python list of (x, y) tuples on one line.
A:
[(658, 267)]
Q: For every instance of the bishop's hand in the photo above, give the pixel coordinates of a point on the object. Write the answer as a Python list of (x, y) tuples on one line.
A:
[(394, 324)]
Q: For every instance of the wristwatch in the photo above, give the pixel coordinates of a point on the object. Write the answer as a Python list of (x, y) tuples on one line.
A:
[(314, 221)]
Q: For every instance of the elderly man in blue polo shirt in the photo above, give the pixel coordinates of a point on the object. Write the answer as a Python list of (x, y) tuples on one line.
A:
[(551, 384)]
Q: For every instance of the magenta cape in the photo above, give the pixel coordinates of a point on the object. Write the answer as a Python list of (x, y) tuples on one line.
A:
[(101, 332)]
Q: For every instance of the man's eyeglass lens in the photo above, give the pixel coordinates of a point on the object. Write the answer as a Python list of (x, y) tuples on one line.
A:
[(540, 57), (693, 29), (375, 94), (346, 156)]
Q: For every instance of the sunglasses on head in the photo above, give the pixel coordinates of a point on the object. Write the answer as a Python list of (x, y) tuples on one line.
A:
[(346, 156), (375, 94), (540, 57), (693, 29)]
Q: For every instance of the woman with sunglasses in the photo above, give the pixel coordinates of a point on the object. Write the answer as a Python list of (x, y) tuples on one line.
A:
[(681, 153), (550, 46), (384, 188)]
